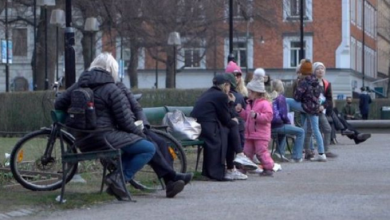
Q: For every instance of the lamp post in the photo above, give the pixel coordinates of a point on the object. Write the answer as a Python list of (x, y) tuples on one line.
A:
[(91, 25), (57, 19), (46, 3), (70, 54), (6, 48), (34, 76), (174, 40), (231, 55), (301, 50)]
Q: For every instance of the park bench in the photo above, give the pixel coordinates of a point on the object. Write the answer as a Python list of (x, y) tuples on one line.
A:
[(155, 116)]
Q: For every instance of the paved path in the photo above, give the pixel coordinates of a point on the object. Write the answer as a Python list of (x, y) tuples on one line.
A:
[(356, 185)]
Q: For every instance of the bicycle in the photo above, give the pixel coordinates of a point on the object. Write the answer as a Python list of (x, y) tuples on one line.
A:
[(36, 160)]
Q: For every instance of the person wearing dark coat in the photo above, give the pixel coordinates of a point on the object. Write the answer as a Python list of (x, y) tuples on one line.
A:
[(212, 112), (162, 161), (112, 112), (364, 103)]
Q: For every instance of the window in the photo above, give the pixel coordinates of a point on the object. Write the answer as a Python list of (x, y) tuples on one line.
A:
[(239, 51), (359, 54), (295, 47), (191, 57), (292, 8), (19, 38), (126, 54), (353, 11), (359, 13), (291, 47), (295, 8), (353, 53), (191, 9), (242, 10)]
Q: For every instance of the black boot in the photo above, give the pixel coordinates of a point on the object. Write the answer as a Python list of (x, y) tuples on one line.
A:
[(174, 187), (114, 182)]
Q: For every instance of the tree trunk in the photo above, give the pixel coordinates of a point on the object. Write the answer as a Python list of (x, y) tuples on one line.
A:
[(133, 66), (170, 65), (51, 51), (89, 50)]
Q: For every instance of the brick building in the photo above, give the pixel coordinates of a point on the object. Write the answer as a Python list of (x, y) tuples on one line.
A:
[(333, 35)]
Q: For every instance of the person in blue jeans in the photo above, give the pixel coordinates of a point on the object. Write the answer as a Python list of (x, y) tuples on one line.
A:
[(113, 111), (306, 101), (282, 126)]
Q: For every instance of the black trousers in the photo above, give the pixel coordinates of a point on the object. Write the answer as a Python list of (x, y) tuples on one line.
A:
[(162, 161), (234, 146)]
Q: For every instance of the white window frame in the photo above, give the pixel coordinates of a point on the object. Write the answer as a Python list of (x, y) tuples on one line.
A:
[(249, 52), (353, 53), (287, 49), (238, 17), (181, 60), (287, 15), (353, 12), (359, 54)]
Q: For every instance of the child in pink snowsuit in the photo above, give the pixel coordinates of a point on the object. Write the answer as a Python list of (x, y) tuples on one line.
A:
[(258, 116)]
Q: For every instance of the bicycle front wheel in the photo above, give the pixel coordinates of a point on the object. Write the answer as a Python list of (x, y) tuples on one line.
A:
[(34, 171)]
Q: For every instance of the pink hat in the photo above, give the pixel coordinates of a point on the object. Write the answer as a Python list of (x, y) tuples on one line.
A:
[(232, 67)]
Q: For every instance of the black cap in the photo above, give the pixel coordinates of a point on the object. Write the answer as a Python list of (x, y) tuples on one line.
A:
[(220, 79)]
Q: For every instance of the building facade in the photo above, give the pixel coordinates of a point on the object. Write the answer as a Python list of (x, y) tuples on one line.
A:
[(342, 34)]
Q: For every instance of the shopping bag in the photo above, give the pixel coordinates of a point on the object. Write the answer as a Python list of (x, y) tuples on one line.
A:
[(181, 126)]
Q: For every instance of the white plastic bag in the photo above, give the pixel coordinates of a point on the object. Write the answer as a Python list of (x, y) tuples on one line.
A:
[(180, 126)]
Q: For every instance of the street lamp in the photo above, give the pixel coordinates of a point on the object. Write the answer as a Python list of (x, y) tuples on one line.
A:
[(91, 25), (57, 18), (174, 40), (46, 3)]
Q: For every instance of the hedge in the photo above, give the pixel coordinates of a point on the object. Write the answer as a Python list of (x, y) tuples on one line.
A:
[(28, 111)]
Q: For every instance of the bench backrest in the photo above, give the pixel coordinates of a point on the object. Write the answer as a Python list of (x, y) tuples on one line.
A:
[(185, 109), (155, 114)]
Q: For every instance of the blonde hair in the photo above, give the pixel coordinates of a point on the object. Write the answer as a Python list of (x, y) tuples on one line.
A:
[(263, 95), (241, 88), (277, 85), (106, 62)]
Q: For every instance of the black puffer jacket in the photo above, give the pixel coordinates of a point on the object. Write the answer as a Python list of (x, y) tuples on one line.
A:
[(112, 111)]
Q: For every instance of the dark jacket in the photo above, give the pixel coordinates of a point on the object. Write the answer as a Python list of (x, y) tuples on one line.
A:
[(212, 112), (112, 111), (364, 103), (308, 92), (279, 108)]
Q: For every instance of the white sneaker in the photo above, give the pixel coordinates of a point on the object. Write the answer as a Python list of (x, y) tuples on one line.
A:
[(242, 161), (281, 158), (257, 171), (277, 167), (319, 158), (255, 160), (235, 175)]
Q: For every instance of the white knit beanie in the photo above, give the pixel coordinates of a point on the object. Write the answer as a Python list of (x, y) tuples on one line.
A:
[(317, 65), (257, 82)]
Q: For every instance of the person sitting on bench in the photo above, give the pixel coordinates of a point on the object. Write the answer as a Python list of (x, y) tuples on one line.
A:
[(111, 107)]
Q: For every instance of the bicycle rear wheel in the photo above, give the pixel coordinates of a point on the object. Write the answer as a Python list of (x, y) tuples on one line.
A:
[(34, 172), (176, 151)]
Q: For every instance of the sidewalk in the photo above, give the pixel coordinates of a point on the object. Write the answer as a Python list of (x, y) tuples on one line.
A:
[(356, 185)]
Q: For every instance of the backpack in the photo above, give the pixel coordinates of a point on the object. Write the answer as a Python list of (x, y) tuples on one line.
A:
[(81, 111)]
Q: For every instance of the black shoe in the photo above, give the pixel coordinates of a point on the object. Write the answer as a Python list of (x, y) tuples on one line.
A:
[(269, 173), (309, 155), (347, 132), (114, 182), (362, 138), (186, 177), (111, 193), (173, 188)]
